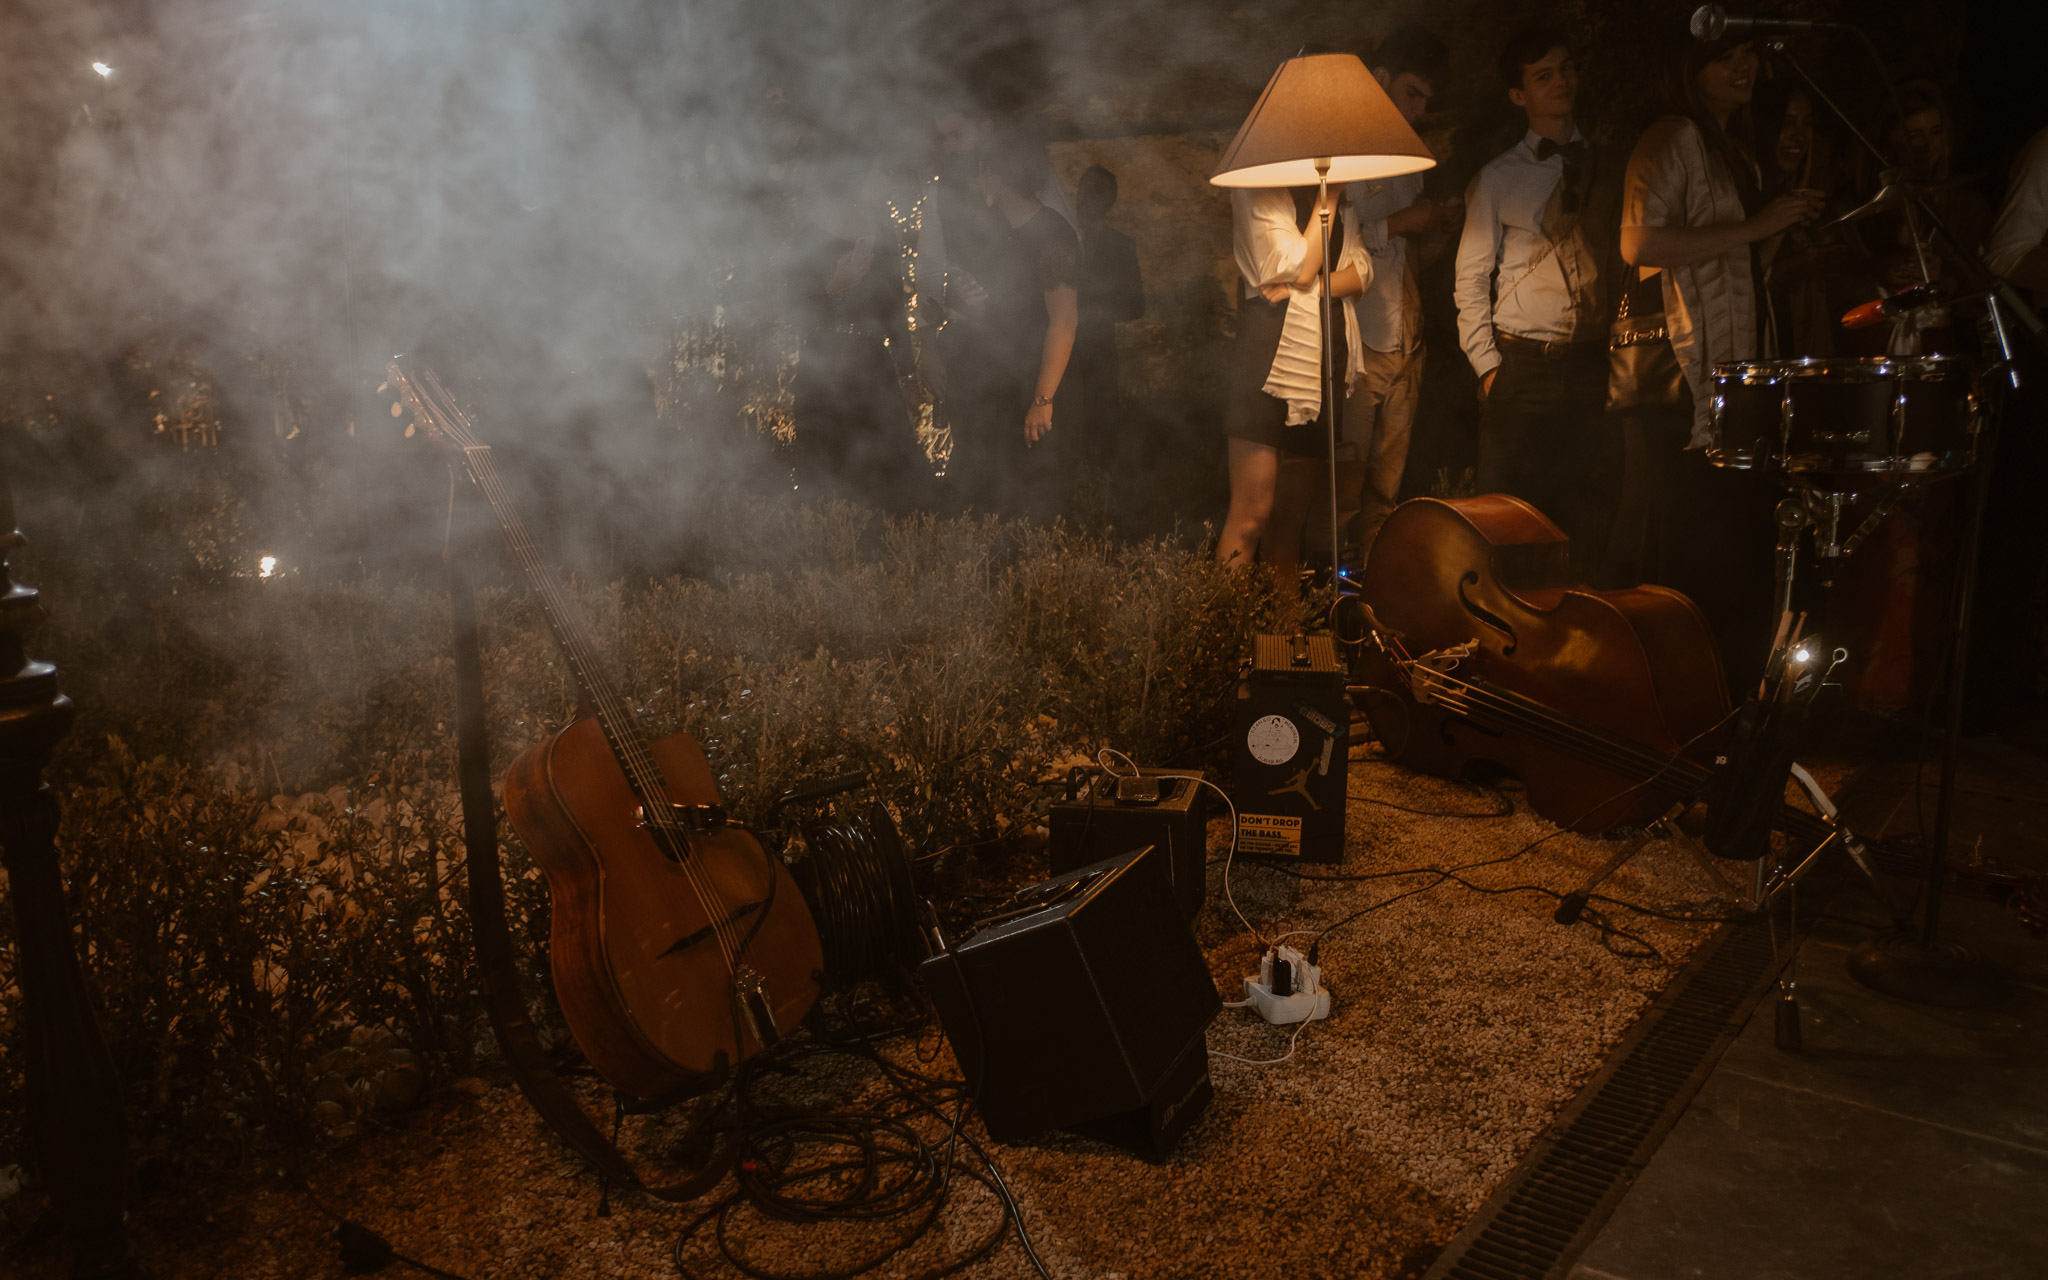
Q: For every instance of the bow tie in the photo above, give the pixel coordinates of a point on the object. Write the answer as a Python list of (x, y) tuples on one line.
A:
[(1574, 153)]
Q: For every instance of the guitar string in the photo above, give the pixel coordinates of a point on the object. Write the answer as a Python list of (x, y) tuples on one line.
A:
[(643, 776), (1689, 773), (1604, 750), (648, 783), (1594, 748)]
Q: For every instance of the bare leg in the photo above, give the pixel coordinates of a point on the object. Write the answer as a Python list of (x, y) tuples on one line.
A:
[(1254, 471), (1299, 478)]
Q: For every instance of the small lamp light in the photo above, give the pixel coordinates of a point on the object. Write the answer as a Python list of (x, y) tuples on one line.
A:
[(1321, 109), (1323, 118)]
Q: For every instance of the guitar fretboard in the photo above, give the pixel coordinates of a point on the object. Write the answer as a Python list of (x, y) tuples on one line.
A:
[(437, 411)]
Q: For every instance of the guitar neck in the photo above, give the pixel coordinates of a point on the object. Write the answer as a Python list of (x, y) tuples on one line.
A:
[(437, 411), (613, 715)]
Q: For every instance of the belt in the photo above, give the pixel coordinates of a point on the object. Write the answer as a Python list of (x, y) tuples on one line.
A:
[(1537, 347)]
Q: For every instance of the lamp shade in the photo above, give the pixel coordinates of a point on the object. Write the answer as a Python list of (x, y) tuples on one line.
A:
[(1321, 105)]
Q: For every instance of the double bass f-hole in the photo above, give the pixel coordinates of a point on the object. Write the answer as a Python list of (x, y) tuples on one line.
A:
[(1486, 615)]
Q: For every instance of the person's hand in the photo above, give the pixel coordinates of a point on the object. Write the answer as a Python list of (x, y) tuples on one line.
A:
[(1275, 292), (1037, 422), (1785, 212), (1486, 382), (972, 295), (1904, 271), (1415, 218)]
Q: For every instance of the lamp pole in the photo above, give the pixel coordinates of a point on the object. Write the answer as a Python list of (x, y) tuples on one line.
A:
[(75, 1129), (1333, 371)]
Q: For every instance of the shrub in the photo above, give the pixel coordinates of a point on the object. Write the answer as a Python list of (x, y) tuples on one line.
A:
[(262, 839)]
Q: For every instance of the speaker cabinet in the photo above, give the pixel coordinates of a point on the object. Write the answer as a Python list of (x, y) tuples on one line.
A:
[(1293, 750), (1084, 1005), (1110, 815)]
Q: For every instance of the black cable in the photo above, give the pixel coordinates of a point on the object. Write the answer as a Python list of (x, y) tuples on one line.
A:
[(863, 898), (1506, 806), (870, 1165), (1607, 931)]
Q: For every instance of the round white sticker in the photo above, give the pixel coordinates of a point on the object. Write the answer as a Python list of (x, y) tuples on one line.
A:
[(1273, 739)]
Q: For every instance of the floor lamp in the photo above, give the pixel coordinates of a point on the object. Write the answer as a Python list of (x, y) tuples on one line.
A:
[(1323, 119)]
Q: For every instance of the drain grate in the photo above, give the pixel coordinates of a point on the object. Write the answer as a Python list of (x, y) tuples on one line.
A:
[(1548, 1210)]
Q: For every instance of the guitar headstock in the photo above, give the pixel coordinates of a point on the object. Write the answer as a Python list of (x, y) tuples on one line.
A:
[(434, 410)]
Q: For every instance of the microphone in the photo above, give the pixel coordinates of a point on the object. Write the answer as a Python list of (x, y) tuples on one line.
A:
[(1711, 22), (1899, 304)]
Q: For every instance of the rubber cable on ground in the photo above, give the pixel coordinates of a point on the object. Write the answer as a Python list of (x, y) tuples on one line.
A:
[(872, 1164)]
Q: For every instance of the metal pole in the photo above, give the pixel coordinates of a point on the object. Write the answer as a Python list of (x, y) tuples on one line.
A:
[(1958, 672), (1333, 378)]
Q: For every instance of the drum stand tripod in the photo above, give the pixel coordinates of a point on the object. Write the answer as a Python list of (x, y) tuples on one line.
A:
[(1911, 961)]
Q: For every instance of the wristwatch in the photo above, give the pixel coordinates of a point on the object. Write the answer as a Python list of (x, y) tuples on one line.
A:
[(1039, 400)]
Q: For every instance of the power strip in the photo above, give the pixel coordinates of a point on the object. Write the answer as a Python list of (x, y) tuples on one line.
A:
[(1300, 994)]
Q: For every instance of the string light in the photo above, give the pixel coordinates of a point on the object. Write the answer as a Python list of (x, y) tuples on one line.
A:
[(105, 72)]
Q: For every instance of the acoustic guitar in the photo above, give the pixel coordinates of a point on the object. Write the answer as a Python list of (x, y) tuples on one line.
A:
[(680, 947)]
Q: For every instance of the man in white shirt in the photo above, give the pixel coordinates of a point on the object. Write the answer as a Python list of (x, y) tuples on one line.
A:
[(1380, 413), (1536, 266), (2018, 249)]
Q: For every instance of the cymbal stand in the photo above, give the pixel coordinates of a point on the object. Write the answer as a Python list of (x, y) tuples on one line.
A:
[(1918, 964)]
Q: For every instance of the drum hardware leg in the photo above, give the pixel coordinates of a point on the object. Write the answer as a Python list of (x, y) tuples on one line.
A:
[(1917, 964), (1727, 891), (1875, 518), (1859, 855), (1573, 904), (1824, 513), (1786, 1028), (1791, 520), (1663, 827)]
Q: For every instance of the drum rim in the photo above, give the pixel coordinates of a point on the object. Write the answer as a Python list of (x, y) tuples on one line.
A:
[(1869, 368)]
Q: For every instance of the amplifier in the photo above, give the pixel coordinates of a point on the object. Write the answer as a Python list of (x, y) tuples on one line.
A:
[(1084, 1004), (1116, 814), (1293, 750)]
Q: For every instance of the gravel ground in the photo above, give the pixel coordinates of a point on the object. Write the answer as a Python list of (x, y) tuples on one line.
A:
[(1462, 1022)]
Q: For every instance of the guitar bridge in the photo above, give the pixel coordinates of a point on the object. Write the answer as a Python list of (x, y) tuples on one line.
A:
[(751, 990), (687, 817)]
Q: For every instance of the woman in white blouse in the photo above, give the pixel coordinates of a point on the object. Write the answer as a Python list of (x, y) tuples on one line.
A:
[(1273, 411), (1693, 221)]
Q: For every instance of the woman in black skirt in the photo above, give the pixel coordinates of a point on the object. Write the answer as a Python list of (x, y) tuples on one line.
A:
[(1274, 415)]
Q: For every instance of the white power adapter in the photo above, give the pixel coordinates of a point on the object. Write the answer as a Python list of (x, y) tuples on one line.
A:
[(1288, 988)]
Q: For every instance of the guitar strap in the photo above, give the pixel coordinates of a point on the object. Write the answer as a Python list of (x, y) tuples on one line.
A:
[(504, 994)]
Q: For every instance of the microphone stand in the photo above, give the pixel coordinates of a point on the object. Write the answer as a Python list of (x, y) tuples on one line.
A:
[(1916, 964)]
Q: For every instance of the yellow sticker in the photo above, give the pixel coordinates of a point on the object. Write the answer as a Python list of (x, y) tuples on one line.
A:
[(1268, 835)]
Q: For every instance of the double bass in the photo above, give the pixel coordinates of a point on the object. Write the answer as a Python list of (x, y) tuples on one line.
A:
[(1607, 704), (679, 946)]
